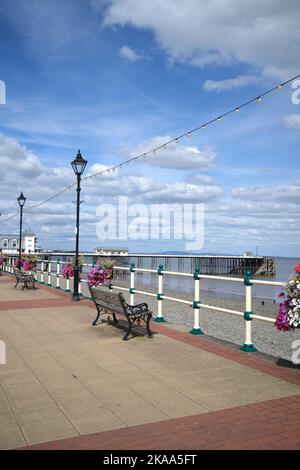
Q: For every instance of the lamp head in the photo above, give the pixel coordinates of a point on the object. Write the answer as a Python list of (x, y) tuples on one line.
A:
[(79, 164), (21, 199)]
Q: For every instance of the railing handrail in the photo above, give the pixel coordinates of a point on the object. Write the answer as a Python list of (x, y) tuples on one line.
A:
[(177, 273), (50, 268)]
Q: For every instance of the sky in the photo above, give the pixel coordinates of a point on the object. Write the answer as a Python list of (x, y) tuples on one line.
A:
[(115, 78)]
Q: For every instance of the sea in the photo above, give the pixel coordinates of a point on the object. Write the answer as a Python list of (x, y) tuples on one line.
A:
[(211, 287)]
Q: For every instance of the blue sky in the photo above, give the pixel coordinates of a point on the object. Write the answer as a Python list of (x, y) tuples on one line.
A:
[(114, 77)]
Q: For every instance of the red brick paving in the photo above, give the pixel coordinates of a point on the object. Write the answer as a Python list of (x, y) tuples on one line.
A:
[(272, 424)]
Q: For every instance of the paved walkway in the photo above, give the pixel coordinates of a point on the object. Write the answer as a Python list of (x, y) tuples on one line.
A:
[(67, 384)]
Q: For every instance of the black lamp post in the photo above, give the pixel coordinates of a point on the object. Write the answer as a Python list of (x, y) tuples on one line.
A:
[(78, 166), (21, 201)]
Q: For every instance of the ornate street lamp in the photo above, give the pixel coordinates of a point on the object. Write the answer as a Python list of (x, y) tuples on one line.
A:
[(78, 166), (21, 201)]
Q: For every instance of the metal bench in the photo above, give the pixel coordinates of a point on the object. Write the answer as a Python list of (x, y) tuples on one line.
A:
[(27, 279), (110, 302)]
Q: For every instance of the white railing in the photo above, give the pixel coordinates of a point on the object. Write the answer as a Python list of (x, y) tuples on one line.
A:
[(46, 266)]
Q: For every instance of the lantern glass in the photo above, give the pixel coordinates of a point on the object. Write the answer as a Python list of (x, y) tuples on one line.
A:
[(21, 199), (79, 164)]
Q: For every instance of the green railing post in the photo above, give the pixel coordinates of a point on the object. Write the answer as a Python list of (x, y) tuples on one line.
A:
[(248, 345), (159, 318)]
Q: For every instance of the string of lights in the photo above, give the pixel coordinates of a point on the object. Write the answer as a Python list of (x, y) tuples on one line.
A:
[(164, 145)]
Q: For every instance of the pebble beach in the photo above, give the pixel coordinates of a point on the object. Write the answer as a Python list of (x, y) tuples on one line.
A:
[(224, 326)]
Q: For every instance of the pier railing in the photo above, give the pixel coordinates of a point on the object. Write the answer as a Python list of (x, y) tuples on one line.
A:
[(49, 274)]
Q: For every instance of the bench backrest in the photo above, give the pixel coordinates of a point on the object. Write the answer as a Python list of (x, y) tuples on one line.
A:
[(22, 275), (18, 272), (109, 300)]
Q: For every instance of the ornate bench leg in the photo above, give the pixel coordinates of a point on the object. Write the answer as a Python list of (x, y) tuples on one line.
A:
[(149, 332), (115, 318), (97, 317), (125, 337), (17, 283)]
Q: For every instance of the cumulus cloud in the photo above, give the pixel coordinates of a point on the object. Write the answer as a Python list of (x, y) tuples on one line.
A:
[(185, 193), (130, 54), (262, 34), (230, 83), (292, 121), (16, 159), (288, 192), (176, 155), (55, 220), (266, 213)]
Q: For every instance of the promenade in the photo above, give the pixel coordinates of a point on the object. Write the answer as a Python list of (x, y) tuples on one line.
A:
[(69, 385)]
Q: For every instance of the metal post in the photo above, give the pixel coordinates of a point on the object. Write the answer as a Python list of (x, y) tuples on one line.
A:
[(42, 271), (160, 318), (20, 235), (248, 345), (67, 289), (76, 296), (196, 304), (132, 289), (57, 274), (49, 273)]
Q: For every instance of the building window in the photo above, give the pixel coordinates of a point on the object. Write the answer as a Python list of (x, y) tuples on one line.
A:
[(5, 243), (14, 243)]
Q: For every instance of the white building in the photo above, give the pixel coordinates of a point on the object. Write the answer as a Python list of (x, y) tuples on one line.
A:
[(112, 251), (10, 243)]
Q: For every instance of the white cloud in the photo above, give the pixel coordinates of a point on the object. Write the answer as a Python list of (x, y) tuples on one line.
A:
[(200, 179), (176, 155), (292, 121), (55, 220), (287, 192), (128, 53), (16, 159), (230, 83), (184, 193), (262, 34)]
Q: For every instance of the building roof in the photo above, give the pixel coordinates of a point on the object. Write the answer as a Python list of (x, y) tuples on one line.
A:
[(111, 248), (28, 233)]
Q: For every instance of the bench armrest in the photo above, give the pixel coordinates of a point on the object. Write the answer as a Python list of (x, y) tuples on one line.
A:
[(139, 308)]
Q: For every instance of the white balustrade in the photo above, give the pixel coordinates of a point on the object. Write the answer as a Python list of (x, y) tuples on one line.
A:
[(196, 304)]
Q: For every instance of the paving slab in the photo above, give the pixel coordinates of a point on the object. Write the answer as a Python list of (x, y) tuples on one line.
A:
[(66, 378), (9, 292)]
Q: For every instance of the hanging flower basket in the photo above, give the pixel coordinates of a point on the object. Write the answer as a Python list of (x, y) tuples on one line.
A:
[(29, 262), (3, 259), (101, 273), (18, 264), (68, 271), (288, 317)]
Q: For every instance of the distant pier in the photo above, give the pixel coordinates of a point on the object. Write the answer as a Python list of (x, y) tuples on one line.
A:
[(209, 264), (214, 265)]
